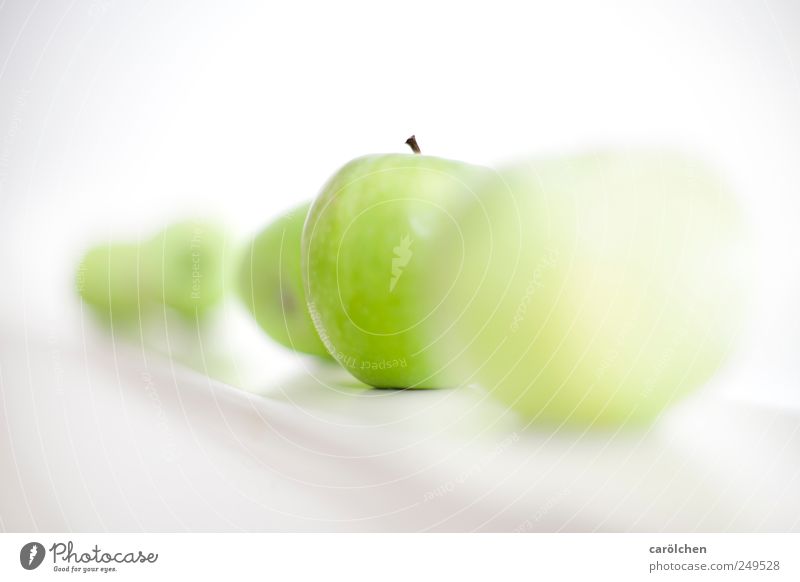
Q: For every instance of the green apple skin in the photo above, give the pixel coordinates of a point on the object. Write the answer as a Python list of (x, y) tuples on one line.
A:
[(600, 288), (367, 254), (270, 284), (108, 281), (186, 267)]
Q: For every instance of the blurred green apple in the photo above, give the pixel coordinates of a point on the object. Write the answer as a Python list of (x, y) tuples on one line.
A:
[(598, 288), (181, 267), (185, 264), (271, 286), (368, 251), (108, 281)]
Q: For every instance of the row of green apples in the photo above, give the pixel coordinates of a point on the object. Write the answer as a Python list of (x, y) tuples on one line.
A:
[(592, 289)]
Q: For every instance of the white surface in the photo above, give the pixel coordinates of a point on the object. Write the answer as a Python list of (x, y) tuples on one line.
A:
[(118, 116), (112, 438)]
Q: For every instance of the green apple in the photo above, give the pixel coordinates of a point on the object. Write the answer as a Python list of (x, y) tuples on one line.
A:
[(368, 252), (186, 267), (598, 289), (181, 267), (270, 284), (108, 281)]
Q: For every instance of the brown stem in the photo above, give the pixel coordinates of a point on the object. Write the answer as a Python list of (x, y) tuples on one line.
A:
[(412, 143)]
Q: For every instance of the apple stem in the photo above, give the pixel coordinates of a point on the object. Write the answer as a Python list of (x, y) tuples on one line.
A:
[(412, 143)]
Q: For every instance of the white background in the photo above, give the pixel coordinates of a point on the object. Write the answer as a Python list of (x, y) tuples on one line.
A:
[(116, 117)]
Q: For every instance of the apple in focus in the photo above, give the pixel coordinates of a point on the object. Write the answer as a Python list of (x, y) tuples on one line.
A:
[(368, 252)]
